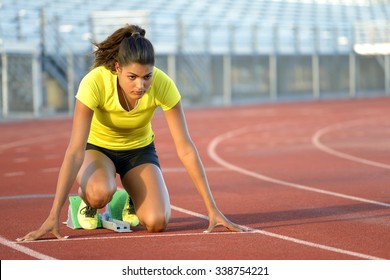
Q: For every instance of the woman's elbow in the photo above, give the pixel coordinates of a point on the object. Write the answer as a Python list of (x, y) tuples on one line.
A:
[(187, 151)]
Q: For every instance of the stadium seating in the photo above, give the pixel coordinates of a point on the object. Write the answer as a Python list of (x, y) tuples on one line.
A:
[(69, 21)]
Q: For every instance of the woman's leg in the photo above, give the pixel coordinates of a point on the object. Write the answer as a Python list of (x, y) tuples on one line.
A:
[(145, 184), (96, 179)]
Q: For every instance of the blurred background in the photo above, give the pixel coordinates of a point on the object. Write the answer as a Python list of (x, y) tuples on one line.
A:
[(219, 52)]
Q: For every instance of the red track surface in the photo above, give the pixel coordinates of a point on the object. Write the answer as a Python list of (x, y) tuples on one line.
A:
[(312, 178)]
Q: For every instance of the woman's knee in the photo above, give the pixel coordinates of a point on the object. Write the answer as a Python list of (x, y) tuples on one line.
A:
[(96, 179), (157, 221), (97, 197)]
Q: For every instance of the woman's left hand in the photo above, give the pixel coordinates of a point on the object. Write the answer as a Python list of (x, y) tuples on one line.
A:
[(218, 219)]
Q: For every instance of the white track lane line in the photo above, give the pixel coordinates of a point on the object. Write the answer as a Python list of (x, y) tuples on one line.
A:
[(191, 213), (318, 144), (211, 150), (290, 239), (212, 153), (24, 250), (16, 245)]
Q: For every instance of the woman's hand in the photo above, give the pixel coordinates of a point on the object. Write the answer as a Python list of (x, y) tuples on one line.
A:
[(216, 218), (50, 225)]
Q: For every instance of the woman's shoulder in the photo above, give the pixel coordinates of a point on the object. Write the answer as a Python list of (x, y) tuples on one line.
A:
[(160, 74), (161, 79), (99, 76), (164, 89), (99, 71)]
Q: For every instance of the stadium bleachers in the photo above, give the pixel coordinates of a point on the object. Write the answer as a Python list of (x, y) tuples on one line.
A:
[(69, 21), (217, 51)]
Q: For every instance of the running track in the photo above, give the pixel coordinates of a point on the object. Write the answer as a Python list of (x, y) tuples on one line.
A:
[(311, 178)]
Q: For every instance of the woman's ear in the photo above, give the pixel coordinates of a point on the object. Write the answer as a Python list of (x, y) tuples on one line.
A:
[(117, 67)]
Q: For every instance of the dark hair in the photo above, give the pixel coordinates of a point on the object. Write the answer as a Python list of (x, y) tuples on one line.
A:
[(126, 45)]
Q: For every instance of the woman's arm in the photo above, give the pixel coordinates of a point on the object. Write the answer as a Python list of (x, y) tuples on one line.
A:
[(71, 164), (189, 156)]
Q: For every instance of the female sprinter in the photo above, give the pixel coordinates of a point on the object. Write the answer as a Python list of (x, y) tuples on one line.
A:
[(111, 133)]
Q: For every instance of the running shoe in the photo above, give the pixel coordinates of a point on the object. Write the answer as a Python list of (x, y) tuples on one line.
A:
[(128, 213), (87, 216)]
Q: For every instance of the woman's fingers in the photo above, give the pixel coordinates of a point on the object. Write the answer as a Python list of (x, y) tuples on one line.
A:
[(227, 224), (36, 234), (28, 237), (210, 228)]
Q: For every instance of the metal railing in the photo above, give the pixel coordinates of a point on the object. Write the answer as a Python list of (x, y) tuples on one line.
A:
[(212, 64)]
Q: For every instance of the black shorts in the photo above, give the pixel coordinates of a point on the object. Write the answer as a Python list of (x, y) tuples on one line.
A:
[(126, 160)]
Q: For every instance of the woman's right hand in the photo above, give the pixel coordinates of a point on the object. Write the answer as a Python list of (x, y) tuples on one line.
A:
[(51, 225)]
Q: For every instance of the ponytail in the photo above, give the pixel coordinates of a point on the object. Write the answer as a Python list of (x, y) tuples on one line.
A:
[(126, 45)]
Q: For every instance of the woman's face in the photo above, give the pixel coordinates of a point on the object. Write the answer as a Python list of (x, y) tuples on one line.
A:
[(134, 79)]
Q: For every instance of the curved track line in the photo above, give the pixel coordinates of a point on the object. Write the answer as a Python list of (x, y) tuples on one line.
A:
[(211, 150), (318, 144)]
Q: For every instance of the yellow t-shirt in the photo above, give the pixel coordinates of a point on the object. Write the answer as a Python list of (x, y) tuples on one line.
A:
[(112, 126)]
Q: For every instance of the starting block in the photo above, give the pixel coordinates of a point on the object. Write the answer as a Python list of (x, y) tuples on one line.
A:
[(116, 205), (111, 219), (114, 224)]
